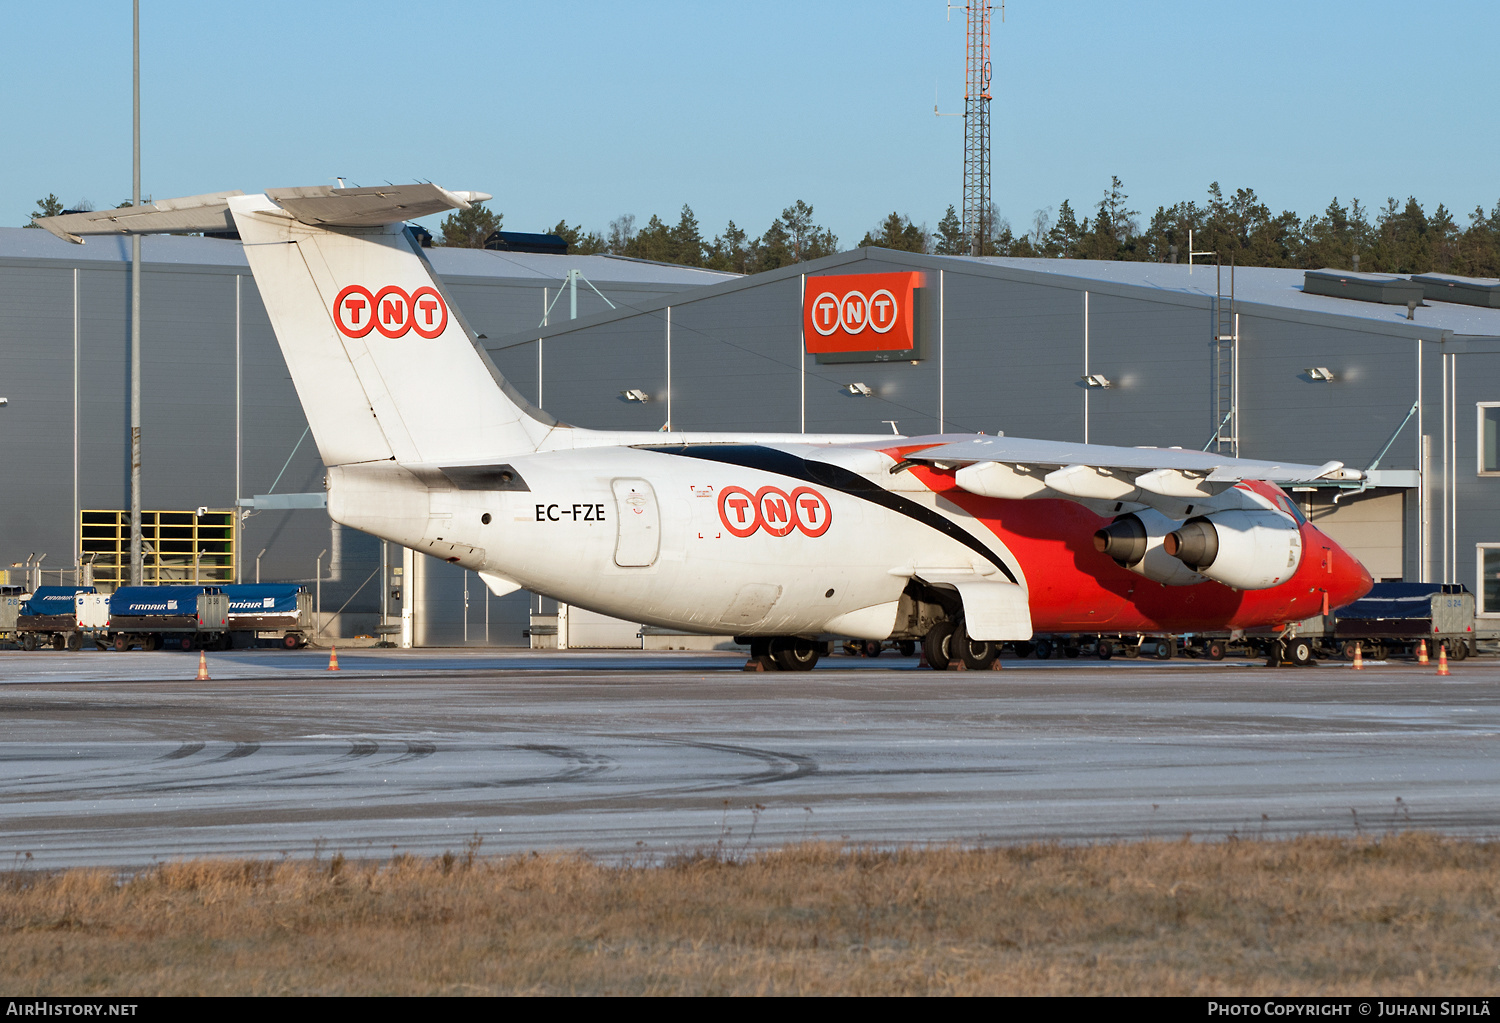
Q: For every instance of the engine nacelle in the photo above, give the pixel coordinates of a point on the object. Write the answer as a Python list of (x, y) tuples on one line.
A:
[(1135, 541), (1249, 550)]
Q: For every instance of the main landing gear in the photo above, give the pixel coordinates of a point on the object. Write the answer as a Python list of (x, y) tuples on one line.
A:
[(947, 642)]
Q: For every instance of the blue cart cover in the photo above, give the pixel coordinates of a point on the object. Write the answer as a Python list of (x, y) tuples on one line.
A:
[(53, 600), (138, 601), (263, 598), (1398, 600)]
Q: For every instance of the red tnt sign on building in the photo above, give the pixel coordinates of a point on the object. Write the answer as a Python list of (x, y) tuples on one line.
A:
[(860, 312)]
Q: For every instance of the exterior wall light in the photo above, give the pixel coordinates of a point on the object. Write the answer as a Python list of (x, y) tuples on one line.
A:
[(1319, 373), (635, 394), (1096, 380), (859, 390)]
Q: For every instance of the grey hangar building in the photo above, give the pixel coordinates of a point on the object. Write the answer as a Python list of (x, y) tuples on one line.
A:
[(1397, 375)]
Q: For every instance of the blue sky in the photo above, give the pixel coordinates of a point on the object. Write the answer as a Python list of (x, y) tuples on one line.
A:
[(589, 110)]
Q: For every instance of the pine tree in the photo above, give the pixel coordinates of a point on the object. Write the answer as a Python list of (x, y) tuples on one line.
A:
[(1064, 235), (730, 251), (950, 234), (686, 240), (897, 232), (470, 228), (580, 242), (48, 207), (653, 242)]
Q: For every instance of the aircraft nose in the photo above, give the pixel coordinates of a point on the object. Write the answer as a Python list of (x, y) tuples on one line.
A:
[(1351, 580)]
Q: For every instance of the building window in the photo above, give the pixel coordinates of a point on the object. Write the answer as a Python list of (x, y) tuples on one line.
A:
[(1489, 579), (1489, 438)]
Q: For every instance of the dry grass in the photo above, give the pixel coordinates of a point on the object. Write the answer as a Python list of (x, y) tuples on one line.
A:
[(1407, 914)]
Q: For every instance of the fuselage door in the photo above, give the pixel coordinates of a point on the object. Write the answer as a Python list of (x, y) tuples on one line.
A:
[(639, 537)]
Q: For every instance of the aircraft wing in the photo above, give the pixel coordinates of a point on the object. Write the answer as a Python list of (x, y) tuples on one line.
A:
[(1172, 480)]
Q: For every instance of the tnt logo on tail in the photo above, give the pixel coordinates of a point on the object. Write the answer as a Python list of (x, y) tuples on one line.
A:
[(391, 311)]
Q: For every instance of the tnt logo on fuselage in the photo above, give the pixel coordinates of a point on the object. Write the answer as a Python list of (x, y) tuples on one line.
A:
[(775, 511), (391, 311)]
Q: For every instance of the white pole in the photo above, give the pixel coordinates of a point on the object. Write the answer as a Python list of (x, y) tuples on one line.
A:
[(137, 560), (802, 354), (77, 526), (1086, 388), (942, 327), (408, 594), (669, 367), (238, 427)]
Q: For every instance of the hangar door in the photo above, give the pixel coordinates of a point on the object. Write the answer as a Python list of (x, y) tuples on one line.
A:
[(1368, 525)]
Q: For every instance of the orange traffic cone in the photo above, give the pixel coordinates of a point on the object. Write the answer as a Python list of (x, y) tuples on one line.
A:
[(203, 668), (1422, 652), (1359, 661), (1442, 659), (333, 658)]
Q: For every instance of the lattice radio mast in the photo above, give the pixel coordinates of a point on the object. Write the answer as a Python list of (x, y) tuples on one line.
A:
[(977, 127)]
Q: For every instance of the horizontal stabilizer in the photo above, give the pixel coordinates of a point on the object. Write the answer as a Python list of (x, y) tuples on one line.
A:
[(369, 207), (191, 214), (318, 205)]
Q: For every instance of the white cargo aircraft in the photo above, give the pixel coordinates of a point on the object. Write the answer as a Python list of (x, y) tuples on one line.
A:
[(961, 542)]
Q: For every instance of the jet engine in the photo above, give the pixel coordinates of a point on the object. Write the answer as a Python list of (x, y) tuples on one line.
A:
[(1248, 550), (1135, 541)]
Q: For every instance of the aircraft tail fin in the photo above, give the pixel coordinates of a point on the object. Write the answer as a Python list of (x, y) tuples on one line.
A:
[(382, 361)]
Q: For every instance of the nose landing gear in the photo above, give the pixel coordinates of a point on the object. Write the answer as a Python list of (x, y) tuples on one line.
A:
[(783, 653)]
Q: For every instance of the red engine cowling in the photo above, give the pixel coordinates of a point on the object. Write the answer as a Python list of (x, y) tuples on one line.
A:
[(1248, 550)]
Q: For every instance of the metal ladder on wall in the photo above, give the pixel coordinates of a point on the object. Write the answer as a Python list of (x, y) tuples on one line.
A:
[(1226, 320)]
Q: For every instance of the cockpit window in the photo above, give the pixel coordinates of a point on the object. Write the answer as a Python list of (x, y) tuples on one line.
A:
[(1290, 507)]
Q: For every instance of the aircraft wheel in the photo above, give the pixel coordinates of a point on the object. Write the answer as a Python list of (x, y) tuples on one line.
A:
[(1213, 650), (937, 646), (59, 641), (977, 654), (870, 648), (906, 648), (1300, 652), (793, 653), (1105, 649), (1043, 649), (75, 641)]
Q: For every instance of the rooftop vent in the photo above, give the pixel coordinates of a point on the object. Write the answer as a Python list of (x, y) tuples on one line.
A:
[(521, 241), (1387, 289), (1483, 291)]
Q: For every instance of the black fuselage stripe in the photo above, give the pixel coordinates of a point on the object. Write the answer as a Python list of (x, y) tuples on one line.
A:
[(784, 463)]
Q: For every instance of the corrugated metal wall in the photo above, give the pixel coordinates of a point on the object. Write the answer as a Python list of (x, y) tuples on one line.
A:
[(1008, 354)]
